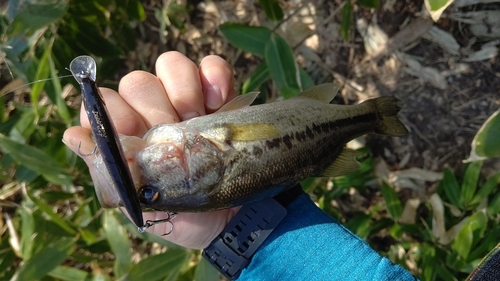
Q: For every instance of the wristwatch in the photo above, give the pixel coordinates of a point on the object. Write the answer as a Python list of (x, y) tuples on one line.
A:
[(231, 251)]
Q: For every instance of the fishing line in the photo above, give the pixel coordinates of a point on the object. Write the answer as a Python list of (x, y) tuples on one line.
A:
[(4, 59), (34, 82)]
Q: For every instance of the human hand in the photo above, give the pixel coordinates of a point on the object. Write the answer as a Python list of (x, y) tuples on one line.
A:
[(180, 91)]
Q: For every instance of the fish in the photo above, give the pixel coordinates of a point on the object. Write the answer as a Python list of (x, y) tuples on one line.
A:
[(244, 153)]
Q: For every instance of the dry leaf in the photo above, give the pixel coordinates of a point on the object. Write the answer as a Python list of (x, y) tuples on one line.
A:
[(487, 52), (424, 73), (443, 39), (451, 233), (373, 36), (418, 174), (464, 3), (438, 228), (409, 214)]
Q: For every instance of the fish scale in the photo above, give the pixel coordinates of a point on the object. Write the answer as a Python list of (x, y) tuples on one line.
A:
[(245, 153)]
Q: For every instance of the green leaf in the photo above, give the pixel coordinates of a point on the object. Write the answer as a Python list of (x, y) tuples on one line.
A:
[(379, 225), (62, 109), (272, 9), (429, 261), (35, 16), (259, 76), (486, 190), (306, 81), (281, 65), (69, 274), (36, 160), (437, 4), (346, 21), (396, 231), (450, 186), (206, 272), (470, 233), (46, 260), (25, 126), (13, 9), (485, 245), (369, 3), (101, 277), (42, 73), (95, 42), (135, 10), (469, 183), (360, 225), (486, 143), (26, 175), (8, 257), (117, 237), (48, 210), (250, 39), (445, 273), (159, 267), (493, 208), (177, 14), (392, 201), (27, 231)]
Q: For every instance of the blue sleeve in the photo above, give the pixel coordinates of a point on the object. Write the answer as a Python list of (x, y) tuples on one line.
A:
[(310, 245)]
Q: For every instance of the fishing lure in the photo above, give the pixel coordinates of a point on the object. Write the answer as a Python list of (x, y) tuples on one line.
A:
[(106, 138)]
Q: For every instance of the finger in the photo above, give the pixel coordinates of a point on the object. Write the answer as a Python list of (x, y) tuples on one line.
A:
[(190, 229), (146, 95), (217, 79), (79, 140), (124, 118), (181, 80)]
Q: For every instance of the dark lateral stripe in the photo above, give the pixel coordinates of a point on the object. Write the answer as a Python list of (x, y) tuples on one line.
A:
[(347, 125)]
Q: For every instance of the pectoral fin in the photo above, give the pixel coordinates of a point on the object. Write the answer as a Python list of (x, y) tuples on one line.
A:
[(323, 92), (239, 102), (252, 131), (345, 164)]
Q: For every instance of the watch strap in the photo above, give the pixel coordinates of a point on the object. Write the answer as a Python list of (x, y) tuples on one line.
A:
[(231, 251)]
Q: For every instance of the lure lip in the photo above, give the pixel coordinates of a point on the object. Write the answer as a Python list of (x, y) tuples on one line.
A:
[(83, 69)]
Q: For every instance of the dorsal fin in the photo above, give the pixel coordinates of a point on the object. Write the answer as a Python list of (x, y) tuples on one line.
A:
[(323, 92), (239, 102)]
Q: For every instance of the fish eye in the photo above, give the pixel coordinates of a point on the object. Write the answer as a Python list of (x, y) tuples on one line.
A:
[(148, 195)]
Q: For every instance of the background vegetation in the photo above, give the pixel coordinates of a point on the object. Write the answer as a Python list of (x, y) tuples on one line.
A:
[(52, 226)]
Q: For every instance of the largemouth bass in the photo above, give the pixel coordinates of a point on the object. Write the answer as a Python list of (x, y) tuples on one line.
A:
[(244, 153)]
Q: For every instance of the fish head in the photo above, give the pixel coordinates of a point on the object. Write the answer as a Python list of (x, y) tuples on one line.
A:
[(180, 168), (172, 168)]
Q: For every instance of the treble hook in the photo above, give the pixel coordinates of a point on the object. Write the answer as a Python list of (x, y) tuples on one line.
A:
[(150, 223)]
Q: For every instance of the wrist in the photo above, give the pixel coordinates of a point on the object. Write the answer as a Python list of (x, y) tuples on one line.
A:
[(218, 227)]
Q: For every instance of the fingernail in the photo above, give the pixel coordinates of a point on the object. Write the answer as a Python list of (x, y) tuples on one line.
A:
[(214, 97), (67, 141)]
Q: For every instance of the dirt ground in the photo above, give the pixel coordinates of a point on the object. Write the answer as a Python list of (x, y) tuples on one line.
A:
[(449, 83)]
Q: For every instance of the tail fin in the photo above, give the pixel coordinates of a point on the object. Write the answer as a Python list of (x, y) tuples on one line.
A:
[(388, 108)]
